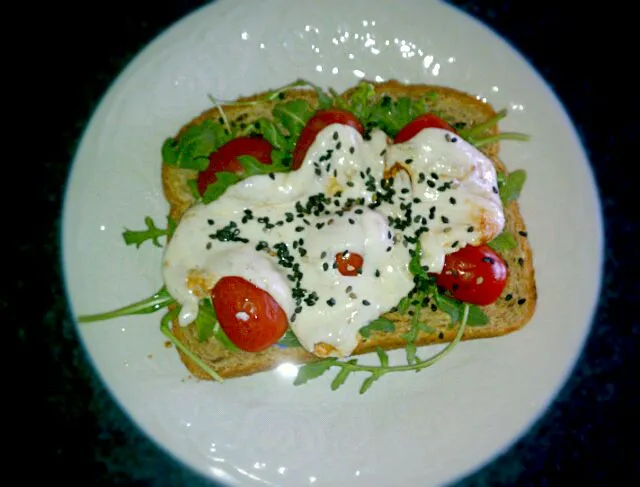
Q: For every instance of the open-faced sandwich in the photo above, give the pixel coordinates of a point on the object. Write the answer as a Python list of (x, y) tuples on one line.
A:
[(310, 227)]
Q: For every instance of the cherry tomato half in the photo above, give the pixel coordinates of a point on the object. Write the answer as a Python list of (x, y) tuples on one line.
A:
[(475, 275), (249, 316), (225, 158), (349, 263), (428, 120), (319, 121)]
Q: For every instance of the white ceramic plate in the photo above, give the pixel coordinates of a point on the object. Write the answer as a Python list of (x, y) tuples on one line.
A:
[(414, 429)]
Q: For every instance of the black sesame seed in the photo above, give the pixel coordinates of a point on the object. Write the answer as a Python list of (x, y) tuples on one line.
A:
[(335, 136), (293, 318), (444, 219), (272, 176), (454, 244), (508, 297), (431, 184), (452, 200), (288, 217), (298, 309), (384, 151), (208, 245), (299, 229), (454, 139), (470, 229), (349, 289), (441, 335), (408, 161), (417, 200), (434, 175), (261, 245), (522, 300), (352, 150), (423, 221), (494, 189), (388, 249), (522, 233), (319, 225), (331, 302), (210, 221), (302, 251), (425, 268), (488, 260), (350, 184), (520, 261), (421, 177), (323, 254), (325, 266), (352, 221), (359, 211), (338, 145), (377, 273), (365, 302), (433, 307)]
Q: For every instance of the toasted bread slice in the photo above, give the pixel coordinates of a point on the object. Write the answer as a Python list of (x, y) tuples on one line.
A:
[(509, 313)]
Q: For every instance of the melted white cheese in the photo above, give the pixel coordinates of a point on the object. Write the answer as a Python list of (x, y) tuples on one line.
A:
[(440, 182)]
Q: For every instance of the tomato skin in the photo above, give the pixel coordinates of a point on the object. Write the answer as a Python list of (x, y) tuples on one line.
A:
[(320, 120), (349, 263), (427, 120), (475, 275), (265, 322), (225, 158)]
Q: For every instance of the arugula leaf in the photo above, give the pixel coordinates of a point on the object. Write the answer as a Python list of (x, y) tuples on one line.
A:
[(511, 185), (454, 309), (313, 370), (293, 116), (340, 378), (192, 149), (391, 115), (206, 320), (449, 306), (504, 241), (359, 102), (217, 189), (271, 133), (380, 324), (477, 317), (289, 340), (153, 233)]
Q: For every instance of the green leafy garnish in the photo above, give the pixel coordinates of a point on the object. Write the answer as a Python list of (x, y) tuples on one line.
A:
[(293, 116), (289, 340), (166, 331), (504, 241), (206, 320), (225, 179), (510, 185), (392, 115), (153, 233), (192, 149), (159, 300), (316, 369), (454, 308), (380, 324)]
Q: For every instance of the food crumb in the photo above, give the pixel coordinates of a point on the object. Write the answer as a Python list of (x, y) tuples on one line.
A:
[(167, 344), (150, 356)]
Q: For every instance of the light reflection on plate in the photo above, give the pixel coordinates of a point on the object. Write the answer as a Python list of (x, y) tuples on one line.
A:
[(261, 429)]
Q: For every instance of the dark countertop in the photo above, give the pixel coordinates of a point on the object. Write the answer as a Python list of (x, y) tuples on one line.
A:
[(70, 430)]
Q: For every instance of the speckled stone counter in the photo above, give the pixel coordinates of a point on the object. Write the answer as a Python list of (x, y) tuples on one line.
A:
[(69, 429)]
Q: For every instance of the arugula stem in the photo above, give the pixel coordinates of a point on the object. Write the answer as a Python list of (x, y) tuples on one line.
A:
[(478, 129), (159, 300), (377, 369), (501, 136), (164, 328), (222, 114)]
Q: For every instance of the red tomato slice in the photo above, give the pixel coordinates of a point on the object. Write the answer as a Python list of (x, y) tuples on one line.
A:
[(225, 158), (475, 275), (249, 316), (428, 120), (320, 120), (349, 263)]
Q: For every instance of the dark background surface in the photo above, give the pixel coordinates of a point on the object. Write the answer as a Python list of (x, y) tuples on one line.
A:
[(66, 427)]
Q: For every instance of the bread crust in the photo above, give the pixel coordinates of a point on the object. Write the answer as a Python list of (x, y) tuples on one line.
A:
[(509, 313)]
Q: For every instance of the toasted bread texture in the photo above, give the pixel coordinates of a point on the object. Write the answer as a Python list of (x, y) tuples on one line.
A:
[(509, 313)]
